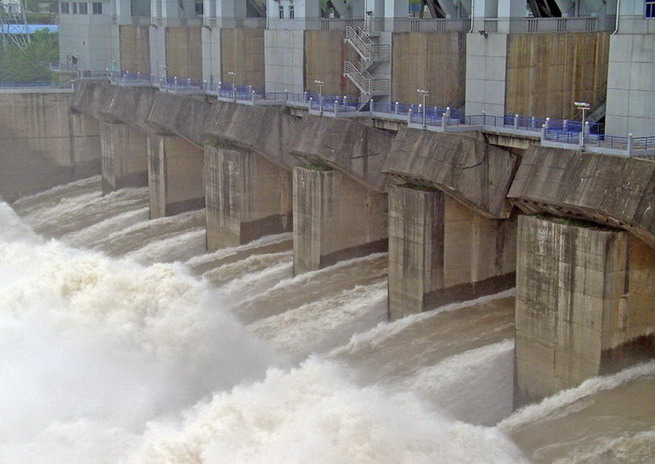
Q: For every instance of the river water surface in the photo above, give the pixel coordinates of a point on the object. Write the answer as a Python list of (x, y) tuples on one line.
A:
[(122, 341)]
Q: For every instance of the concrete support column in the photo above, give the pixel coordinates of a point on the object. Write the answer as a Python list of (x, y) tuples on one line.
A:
[(585, 304), (440, 251), (124, 157), (175, 169), (334, 218), (248, 197), (85, 145), (416, 235)]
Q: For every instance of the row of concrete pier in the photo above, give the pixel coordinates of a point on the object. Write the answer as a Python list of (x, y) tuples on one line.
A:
[(462, 215)]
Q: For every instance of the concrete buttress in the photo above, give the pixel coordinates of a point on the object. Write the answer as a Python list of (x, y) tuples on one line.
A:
[(334, 218), (585, 304), (175, 171), (247, 197)]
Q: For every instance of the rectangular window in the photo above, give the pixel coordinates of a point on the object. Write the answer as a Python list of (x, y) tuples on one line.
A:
[(65, 8), (97, 8), (74, 7), (649, 11), (281, 12), (200, 8), (292, 13), (84, 8)]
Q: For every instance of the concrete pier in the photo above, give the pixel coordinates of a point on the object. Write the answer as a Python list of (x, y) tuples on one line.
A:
[(247, 197), (334, 218), (585, 304), (124, 157), (451, 235), (441, 251), (175, 172)]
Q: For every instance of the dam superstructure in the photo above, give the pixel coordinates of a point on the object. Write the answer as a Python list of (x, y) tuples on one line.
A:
[(293, 117)]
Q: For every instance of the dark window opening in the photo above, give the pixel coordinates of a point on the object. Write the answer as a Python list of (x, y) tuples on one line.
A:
[(281, 12), (84, 8), (649, 11), (65, 8), (292, 13), (97, 8)]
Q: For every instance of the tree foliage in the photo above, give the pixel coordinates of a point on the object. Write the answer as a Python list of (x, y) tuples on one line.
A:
[(30, 64)]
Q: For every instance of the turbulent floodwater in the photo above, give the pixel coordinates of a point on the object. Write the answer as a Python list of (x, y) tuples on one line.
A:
[(123, 342)]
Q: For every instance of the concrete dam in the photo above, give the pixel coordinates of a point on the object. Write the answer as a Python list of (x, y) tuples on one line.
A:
[(421, 220)]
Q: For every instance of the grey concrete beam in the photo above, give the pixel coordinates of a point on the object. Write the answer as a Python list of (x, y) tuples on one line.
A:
[(357, 150), (611, 190), (267, 131), (93, 98), (132, 106), (462, 166), (180, 115)]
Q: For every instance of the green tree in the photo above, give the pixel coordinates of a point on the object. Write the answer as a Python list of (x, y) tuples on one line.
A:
[(30, 64)]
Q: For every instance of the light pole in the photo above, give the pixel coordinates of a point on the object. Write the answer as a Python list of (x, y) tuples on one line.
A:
[(320, 95), (424, 94), (234, 89), (584, 106)]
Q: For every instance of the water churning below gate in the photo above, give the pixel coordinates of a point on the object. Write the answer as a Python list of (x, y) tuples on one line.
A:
[(122, 341)]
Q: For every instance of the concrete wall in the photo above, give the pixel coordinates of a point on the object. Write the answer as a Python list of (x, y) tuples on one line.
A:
[(175, 176), (42, 144), (247, 197), (242, 51), (486, 70), (325, 54), (135, 49), (631, 85), (546, 73), (124, 157), (433, 61), (334, 218), (284, 58), (88, 37), (584, 304), (441, 251), (183, 52)]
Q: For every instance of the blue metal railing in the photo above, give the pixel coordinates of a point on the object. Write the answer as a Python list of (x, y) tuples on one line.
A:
[(557, 130), (11, 85)]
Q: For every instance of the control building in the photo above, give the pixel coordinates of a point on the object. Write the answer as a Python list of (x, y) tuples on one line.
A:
[(493, 57)]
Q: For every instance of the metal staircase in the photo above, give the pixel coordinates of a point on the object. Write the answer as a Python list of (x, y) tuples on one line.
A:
[(360, 72), (13, 25)]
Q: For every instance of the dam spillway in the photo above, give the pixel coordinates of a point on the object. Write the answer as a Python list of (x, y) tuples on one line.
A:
[(336, 311)]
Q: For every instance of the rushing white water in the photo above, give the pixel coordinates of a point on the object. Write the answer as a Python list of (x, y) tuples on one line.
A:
[(229, 358), (107, 359)]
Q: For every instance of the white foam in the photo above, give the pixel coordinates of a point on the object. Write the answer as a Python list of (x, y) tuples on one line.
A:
[(231, 251), (384, 330), (92, 349), (176, 247), (475, 386), (326, 323), (558, 402), (100, 231), (315, 414)]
